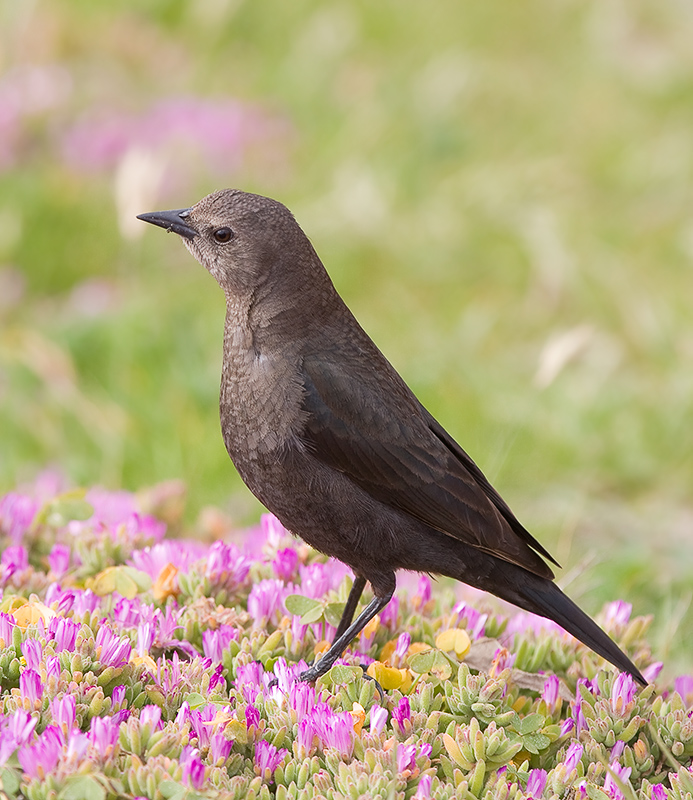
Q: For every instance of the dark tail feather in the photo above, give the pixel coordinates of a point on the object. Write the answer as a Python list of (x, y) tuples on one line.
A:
[(543, 597)]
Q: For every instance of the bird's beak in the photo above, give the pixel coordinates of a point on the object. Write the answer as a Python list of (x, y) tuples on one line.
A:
[(175, 221)]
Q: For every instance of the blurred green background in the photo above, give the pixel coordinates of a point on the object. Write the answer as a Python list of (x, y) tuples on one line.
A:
[(501, 192)]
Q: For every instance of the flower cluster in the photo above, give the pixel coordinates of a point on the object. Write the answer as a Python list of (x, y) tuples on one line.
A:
[(133, 665)]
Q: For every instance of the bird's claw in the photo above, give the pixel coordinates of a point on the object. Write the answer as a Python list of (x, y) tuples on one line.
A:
[(368, 677)]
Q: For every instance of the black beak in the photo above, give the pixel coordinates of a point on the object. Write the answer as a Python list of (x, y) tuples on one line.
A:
[(172, 221)]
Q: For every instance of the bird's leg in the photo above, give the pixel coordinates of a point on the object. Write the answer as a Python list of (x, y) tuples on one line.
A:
[(350, 607), (341, 643)]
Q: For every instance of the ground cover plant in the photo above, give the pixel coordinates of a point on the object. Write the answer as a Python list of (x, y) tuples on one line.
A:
[(133, 664)]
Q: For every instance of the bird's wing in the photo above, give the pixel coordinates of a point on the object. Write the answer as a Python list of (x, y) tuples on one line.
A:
[(381, 437)]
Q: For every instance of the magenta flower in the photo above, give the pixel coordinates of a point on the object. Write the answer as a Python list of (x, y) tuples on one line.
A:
[(302, 699), (315, 579), (285, 564), (17, 512), (469, 618), (267, 759), (389, 615), (193, 768), (402, 646), (40, 758), (59, 559), (64, 633), (573, 756), (265, 601), (252, 716), (306, 743), (549, 694), (406, 757), (401, 714), (201, 720), (219, 749), (118, 695), (7, 624), (53, 668), (103, 735), (623, 693), (659, 792), (249, 680), (154, 558), (145, 637), (334, 729), (683, 685), (64, 712), (567, 726), (33, 653), (651, 671), (15, 731), (423, 592), (226, 566), (216, 642), (610, 785), (378, 719), (30, 686), (423, 790), (111, 650), (14, 559), (536, 783), (151, 716), (617, 614)]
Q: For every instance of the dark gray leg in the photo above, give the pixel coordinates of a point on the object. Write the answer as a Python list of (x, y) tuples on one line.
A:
[(350, 607), (341, 643)]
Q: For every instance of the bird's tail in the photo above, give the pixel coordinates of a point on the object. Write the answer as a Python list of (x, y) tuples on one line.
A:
[(543, 597)]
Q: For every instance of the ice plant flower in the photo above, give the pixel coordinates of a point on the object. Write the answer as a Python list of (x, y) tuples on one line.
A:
[(423, 790), (64, 712), (59, 559), (617, 614), (111, 650), (683, 685), (378, 719), (285, 564), (573, 756), (64, 633), (535, 784), (31, 687), (216, 642), (265, 601), (549, 694), (401, 715), (17, 512), (610, 785), (623, 693), (267, 759), (103, 735), (41, 757), (32, 652), (193, 768)]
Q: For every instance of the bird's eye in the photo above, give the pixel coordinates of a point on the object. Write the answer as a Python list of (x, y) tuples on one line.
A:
[(223, 235)]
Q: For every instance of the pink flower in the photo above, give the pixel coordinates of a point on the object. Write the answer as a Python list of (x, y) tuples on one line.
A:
[(683, 685), (423, 592), (378, 719), (64, 712), (622, 694), (610, 785), (549, 694), (651, 671), (285, 563), (14, 559), (17, 512), (64, 633), (216, 642), (401, 714), (103, 735), (659, 792), (469, 618), (7, 625), (111, 650), (267, 759), (265, 602), (252, 716), (33, 653), (573, 756), (536, 783), (193, 768), (40, 758), (30, 686), (59, 559), (617, 614), (423, 790), (219, 749)]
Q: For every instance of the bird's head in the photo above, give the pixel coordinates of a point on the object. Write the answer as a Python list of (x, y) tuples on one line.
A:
[(242, 239)]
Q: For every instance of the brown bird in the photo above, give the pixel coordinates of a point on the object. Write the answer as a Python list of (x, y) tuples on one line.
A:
[(329, 437)]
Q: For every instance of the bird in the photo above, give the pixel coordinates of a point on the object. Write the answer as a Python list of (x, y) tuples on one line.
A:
[(329, 437)]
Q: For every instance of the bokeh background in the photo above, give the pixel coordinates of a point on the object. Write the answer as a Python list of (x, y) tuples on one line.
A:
[(501, 192)]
